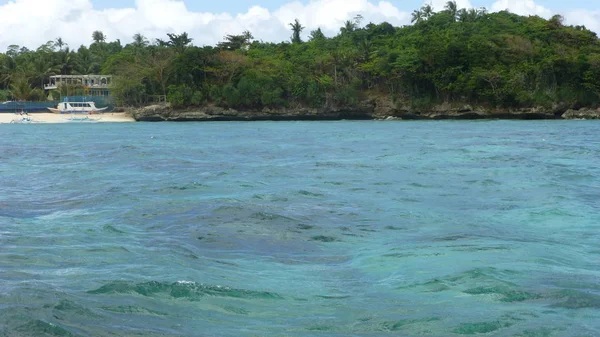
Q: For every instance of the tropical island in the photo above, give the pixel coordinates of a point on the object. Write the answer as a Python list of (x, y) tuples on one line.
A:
[(455, 63)]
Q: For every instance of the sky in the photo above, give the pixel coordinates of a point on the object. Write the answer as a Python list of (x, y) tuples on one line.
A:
[(31, 23)]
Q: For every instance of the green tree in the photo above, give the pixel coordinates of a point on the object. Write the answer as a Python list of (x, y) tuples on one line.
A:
[(556, 21), (317, 35), (179, 42), (8, 69), (416, 16), (236, 42), (20, 89), (42, 68), (427, 11), (159, 67), (66, 62), (297, 29), (60, 43), (140, 41), (98, 37), (452, 8)]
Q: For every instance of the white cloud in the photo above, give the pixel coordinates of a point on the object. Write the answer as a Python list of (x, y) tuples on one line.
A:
[(576, 17), (522, 7), (580, 17), (330, 15), (31, 23), (439, 5)]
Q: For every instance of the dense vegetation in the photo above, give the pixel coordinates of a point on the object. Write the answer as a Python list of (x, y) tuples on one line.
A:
[(461, 56)]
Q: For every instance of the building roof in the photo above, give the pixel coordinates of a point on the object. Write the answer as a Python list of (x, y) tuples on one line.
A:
[(79, 76)]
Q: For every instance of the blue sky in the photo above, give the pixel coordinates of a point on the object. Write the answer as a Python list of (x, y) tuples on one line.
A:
[(239, 6), (31, 23)]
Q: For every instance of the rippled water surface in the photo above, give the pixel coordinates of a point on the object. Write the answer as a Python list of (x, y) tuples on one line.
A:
[(300, 229)]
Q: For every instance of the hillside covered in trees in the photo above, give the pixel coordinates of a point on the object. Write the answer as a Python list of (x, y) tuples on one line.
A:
[(499, 60)]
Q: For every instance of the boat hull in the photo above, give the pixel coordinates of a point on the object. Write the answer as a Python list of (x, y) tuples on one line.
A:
[(66, 109), (82, 120)]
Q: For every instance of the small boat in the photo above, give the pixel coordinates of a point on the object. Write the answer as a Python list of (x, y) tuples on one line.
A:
[(85, 119), (76, 107), (22, 120)]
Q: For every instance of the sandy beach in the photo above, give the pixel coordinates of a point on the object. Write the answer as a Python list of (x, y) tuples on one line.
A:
[(44, 117)]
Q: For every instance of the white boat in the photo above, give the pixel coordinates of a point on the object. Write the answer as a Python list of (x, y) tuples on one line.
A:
[(85, 119), (25, 119), (76, 107)]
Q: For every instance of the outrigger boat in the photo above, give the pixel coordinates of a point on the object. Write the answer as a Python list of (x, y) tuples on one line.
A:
[(76, 107), (85, 119), (22, 118)]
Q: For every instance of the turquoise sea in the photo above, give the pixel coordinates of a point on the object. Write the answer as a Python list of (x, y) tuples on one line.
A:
[(343, 228)]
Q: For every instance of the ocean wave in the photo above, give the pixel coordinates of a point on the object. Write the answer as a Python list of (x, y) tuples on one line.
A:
[(187, 290)]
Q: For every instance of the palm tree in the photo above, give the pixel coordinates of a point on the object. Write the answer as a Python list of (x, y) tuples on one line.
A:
[(349, 27), (179, 42), (85, 62), (462, 15), (98, 36), (473, 14), (417, 17), (427, 11), (140, 41), (317, 34), (365, 49), (20, 88), (60, 43), (470, 15), (247, 36), (65, 61), (42, 68), (8, 70), (451, 8), (297, 29)]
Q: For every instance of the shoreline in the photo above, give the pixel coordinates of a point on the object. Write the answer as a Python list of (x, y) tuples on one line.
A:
[(374, 111), (52, 118), (206, 114)]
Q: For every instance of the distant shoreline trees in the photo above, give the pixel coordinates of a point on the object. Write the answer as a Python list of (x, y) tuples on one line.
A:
[(459, 55)]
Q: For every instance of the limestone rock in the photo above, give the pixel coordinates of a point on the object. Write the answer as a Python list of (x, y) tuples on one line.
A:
[(379, 107), (582, 114)]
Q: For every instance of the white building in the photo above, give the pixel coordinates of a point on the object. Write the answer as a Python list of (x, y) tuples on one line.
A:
[(96, 85)]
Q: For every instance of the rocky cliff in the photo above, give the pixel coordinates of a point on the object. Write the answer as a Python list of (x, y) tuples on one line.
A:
[(582, 114), (157, 113), (377, 108)]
